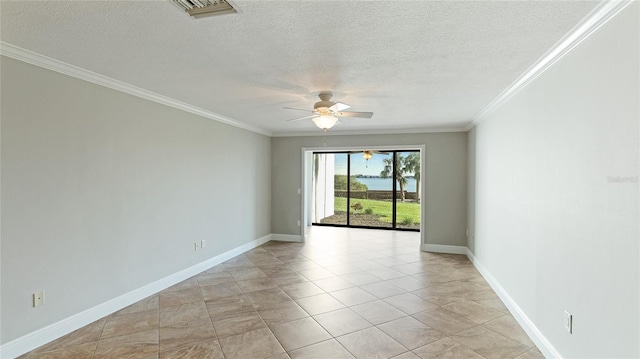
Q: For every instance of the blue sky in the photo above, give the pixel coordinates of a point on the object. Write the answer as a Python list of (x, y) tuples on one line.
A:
[(359, 165)]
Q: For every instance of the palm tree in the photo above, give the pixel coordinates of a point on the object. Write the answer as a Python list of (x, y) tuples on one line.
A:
[(412, 164), (399, 171)]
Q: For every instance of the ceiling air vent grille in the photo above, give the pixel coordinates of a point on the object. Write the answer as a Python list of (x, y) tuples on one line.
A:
[(202, 8)]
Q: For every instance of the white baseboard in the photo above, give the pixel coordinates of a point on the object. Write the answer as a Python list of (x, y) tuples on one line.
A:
[(56, 330), (532, 331), (442, 248), (286, 238)]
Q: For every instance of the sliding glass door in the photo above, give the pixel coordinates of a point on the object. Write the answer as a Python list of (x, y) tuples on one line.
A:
[(367, 189)]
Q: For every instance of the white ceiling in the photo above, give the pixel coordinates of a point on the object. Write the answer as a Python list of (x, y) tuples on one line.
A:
[(418, 65)]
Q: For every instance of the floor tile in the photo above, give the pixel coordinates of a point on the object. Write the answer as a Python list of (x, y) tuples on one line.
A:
[(206, 349), (88, 334), (319, 304), (385, 273), (229, 306), (371, 343), (301, 290), (269, 298), (247, 273), (77, 351), (489, 344), (473, 311), (407, 355), (410, 332), (408, 269), (152, 302), (214, 279), (185, 334), (130, 323), (333, 283), (274, 271), (342, 321), (410, 303), (510, 328), (184, 313), (378, 312), (382, 289), (254, 285), (329, 349), (238, 324), (315, 274), (407, 283), (531, 354), (212, 292), (444, 321), (446, 348), (344, 293), (135, 345), (284, 313), (289, 279), (353, 296), (257, 344), (299, 333), (187, 283), (178, 297), (361, 278)]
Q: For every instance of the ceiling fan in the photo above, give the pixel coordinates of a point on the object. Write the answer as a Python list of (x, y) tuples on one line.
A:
[(326, 112), (368, 154)]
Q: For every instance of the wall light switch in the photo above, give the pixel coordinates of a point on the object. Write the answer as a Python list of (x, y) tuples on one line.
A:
[(203, 244)]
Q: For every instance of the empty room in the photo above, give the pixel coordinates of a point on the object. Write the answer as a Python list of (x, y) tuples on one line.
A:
[(319, 179)]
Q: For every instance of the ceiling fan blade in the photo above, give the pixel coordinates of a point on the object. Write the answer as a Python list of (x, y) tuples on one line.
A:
[(297, 109), (354, 114), (337, 107), (302, 118)]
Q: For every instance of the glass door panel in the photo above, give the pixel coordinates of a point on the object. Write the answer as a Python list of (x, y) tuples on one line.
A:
[(408, 190), (371, 192), (368, 188)]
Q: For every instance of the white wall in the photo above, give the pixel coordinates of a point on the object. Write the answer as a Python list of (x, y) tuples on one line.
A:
[(445, 193), (552, 225), (103, 193)]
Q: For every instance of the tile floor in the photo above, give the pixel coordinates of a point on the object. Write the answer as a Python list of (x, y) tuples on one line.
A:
[(345, 293)]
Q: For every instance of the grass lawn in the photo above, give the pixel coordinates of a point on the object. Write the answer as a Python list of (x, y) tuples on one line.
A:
[(406, 211)]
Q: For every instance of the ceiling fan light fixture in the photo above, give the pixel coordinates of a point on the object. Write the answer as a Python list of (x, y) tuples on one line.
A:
[(325, 122), (367, 155), (203, 8)]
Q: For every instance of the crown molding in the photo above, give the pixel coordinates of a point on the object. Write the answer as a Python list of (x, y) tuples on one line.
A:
[(397, 131), (599, 16), (24, 55)]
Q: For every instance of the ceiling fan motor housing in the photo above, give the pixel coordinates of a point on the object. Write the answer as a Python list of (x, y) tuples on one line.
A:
[(323, 105)]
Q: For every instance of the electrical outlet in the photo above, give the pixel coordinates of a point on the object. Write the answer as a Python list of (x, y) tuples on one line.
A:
[(298, 223), (203, 243), (38, 299), (568, 322)]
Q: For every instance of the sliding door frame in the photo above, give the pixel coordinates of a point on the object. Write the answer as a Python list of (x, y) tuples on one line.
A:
[(306, 186)]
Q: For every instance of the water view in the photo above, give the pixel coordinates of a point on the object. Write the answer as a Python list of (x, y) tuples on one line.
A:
[(385, 184)]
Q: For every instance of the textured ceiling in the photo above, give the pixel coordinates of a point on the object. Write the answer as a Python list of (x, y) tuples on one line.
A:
[(416, 64)]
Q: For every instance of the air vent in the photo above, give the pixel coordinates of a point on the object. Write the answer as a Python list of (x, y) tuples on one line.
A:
[(202, 8)]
